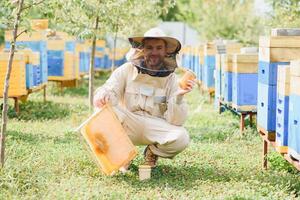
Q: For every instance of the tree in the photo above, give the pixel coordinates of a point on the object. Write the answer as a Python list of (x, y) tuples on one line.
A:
[(15, 14), (284, 14), (227, 19), (118, 17), (131, 17)]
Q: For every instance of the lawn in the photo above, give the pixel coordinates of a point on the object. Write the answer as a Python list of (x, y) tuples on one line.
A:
[(47, 160)]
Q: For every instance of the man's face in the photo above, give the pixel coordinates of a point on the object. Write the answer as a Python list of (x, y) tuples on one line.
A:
[(154, 52)]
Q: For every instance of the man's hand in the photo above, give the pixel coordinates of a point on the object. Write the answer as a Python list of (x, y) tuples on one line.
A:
[(189, 88), (99, 102)]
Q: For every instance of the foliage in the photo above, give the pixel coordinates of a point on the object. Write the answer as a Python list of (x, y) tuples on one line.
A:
[(284, 14), (227, 19), (277, 162)]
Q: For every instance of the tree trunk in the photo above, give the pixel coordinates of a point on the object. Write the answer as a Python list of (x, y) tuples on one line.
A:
[(91, 71), (114, 56), (6, 86), (115, 46)]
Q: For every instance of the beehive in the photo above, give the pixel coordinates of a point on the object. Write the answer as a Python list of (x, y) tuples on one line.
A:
[(17, 82), (201, 60), (36, 41), (226, 68), (218, 78), (32, 64), (244, 81), (82, 57), (61, 63), (294, 111), (273, 51), (209, 66), (282, 108)]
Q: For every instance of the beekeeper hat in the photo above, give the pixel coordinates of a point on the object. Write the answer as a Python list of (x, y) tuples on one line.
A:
[(173, 45)]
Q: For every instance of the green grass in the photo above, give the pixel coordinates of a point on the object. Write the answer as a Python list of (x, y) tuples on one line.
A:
[(47, 160)]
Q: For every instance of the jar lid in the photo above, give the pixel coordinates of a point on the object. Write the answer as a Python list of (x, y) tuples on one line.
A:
[(144, 167)]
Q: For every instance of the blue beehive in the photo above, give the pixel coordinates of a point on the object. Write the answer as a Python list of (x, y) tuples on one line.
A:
[(55, 63), (294, 111), (98, 61), (273, 51), (226, 65), (84, 62), (266, 106), (201, 61), (208, 71), (294, 126), (267, 72), (33, 70), (282, 108), (218, 77), (244, 82), (70, 46), (36, 75), (29, 76), (36, 41), (209, 66)]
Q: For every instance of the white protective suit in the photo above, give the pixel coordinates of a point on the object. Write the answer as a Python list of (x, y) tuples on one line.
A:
[(148, 109)]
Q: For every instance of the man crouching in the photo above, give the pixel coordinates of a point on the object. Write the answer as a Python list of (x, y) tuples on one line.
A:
[(146, 98)]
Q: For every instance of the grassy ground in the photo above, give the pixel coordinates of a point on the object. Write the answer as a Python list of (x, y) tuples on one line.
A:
[(46, 160)]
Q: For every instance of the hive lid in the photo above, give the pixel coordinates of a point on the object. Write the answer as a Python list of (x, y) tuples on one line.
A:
[(144, 167), (285, 32), (245, 50)]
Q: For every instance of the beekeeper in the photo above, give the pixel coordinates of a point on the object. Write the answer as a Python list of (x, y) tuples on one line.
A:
[(145, 96)]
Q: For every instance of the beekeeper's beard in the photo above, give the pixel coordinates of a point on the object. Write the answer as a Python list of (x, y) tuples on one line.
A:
[(154, 61)]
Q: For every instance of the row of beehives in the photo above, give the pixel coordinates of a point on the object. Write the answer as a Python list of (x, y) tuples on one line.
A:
[(248, 81), (206, 60), (278, 109), (41, 56)]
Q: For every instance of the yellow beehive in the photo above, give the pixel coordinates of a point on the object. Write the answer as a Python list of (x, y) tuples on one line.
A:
[(210, 49), (295, 68), (295, 85), (17, 82), (69, 66), (39, 24), (58, 45), (232, 48), (201, 54), (31, 56), (33, 36), (226, 63), (279, 48), (245, 63)]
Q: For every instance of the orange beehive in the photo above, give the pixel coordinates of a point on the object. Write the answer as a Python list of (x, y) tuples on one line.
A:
[(108, 141), (17, 82)]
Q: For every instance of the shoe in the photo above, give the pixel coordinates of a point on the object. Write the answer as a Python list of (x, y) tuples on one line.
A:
[(150, 157)]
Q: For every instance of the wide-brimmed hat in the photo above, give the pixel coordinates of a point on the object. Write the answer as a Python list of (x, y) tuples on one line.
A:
[(173, 45)]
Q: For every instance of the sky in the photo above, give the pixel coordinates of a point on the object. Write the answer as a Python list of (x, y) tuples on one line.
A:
[(261, 6)]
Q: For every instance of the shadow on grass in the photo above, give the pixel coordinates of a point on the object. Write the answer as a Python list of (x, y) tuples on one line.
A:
[(32, 139), (179, 177), (27, 137), (185, 178), (32, 110)]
